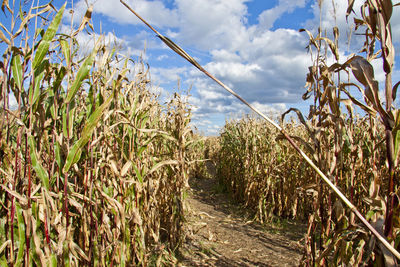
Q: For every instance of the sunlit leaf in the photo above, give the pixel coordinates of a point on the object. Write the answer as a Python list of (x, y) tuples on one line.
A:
[(44, 45), (75, 152), (81, 75), (17, 71)]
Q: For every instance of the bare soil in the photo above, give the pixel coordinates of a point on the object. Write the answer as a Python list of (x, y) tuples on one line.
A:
[(221, 234)]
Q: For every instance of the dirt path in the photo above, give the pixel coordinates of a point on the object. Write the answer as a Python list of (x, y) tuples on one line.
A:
[(220, 235)]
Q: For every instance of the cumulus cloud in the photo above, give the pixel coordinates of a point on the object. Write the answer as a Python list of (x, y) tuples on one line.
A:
[(212, 24), (117, 12), (271, 68), (162, 57), (169, 74), (268, 17)]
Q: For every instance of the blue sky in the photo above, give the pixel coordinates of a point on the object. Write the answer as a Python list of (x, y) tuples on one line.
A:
[(251, 45)]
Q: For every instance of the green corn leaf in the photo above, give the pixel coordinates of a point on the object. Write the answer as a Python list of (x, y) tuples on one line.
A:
[(60, 77), (57, 150), (90, 102), (396, 135), (75, 152), (66, 253), (53, 260), (64, 123), (66, 51), (34, 90), (138, 174), (52, 107), (40, 171), (21, 235), (47, 38), (3, 261), (68, 127), (17, 71), (81, 75)]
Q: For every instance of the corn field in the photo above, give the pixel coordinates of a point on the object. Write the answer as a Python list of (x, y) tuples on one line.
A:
[(359, 153), (93, 168)]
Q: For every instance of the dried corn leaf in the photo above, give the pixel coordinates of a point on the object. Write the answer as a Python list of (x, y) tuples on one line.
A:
[(350, 4), (4, 38), (311, 37), (4, 245), (85, 20), (126, 168)]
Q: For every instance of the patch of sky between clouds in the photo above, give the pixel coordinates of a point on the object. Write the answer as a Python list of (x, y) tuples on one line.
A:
[(295, 19)]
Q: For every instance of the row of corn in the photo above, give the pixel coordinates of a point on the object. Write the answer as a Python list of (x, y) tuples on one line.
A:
[(93, 169)]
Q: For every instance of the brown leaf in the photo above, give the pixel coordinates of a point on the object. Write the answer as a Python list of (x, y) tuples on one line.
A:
[(77, 251), (4, 38), (366, 108), (394, 90), (4, 245), (126, 168), (332, 46), (4, 5), (333, 100), (364, 73), (85, 20), (349, 7), (387, 9), (114, 167), (137, 219), (312, 40)]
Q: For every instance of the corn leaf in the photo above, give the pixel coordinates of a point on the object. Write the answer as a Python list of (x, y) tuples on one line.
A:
[(21, 235), (4, 38), (81, 75), (4, 245), (40, 171), (47, 38), (75, 152), (161, 164), (34, 90), (17, 71), (66, 51)]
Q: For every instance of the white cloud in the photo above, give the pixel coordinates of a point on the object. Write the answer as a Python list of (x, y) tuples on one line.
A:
[(234, 71), (212, 24), (117, 12), (395, 21), (162, 57), (268, 17), (270, 110), (168, 74), (87, 41)]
